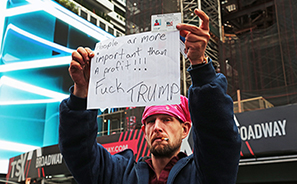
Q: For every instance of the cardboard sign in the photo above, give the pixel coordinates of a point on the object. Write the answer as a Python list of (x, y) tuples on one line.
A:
[(135, 70)]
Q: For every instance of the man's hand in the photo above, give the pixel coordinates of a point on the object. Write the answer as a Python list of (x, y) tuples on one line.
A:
[(79, 70), (196, 38)]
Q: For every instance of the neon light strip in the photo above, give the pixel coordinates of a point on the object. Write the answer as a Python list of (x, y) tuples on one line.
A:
[(18, 147), (30, 36), (22, 65), (2, 18), (24, 102), (31, 88)]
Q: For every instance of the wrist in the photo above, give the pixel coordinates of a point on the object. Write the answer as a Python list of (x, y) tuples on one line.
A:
[(80, 91), (204, 61)]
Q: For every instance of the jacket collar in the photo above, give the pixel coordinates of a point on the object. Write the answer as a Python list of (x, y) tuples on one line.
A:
[(142, 169), (178, 167), (142, 172)]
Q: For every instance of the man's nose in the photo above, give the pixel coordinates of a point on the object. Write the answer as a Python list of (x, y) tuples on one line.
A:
[(158, 125)]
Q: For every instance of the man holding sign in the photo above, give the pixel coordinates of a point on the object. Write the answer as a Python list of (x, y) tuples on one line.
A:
[(210, 110)]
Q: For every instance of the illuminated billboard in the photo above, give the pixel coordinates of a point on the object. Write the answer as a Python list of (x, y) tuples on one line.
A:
[(37, 38)]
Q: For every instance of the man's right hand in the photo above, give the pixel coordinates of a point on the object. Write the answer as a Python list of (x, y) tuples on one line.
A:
[(196, 38), (79, 70)]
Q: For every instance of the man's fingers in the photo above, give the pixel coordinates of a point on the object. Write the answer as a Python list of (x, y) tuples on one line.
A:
[(185, 28), (84, 53), (184, 33), (204, 19), (90, 52), (75, 65), (194, 38), (77, 57)]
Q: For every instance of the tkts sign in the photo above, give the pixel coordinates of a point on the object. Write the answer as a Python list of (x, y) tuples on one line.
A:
[(37, 163), (18, 167)]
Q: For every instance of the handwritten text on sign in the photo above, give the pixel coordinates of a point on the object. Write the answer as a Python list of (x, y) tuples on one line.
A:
[(135, 70)]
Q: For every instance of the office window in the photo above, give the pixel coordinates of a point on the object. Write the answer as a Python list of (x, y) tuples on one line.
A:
[(110, 30), (94, 20), (84, 15), (118, 34), (102, 25)]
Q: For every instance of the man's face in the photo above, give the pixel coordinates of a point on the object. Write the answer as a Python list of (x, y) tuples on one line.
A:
[(163, 126)]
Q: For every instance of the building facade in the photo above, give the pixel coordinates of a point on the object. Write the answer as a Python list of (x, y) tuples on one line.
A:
[(108, 15)]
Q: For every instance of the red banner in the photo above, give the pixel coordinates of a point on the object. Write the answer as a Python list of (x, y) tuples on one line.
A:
[(116, 147)]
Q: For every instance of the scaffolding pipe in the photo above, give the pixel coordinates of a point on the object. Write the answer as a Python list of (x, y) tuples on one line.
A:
[(199, 7), (183, 58), (239, 101), (220, 21), (280, 44)]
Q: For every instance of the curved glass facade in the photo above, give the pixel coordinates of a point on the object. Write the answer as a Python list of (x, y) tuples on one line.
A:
[(37, 38)]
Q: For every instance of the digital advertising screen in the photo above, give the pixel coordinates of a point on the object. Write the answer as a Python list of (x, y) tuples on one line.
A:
[(37, 38)]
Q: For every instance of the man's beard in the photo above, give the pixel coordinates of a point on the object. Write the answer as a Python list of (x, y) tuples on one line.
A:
[(165, 150)]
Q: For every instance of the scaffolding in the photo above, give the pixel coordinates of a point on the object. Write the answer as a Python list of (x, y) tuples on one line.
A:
[(213, 9), (258, 54)]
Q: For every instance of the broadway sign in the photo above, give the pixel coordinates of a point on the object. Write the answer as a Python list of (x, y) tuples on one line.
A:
[(39, 163), (269, 132)]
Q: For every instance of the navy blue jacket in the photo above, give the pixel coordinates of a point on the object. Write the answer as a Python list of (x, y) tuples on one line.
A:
[(216, 140)]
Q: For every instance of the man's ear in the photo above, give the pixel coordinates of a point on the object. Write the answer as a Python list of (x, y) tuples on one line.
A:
[(186, 129), (143, 129)]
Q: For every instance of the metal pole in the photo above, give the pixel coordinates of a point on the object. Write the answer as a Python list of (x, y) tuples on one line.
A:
[(182, 10), (199, 4), (220, 20), (239, 101), (183, 59), (200, 8), (185, 77)]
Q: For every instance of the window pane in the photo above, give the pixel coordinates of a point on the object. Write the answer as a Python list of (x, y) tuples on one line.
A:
[(94, 20), (110, 30), (84, 15), (102, 25)]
